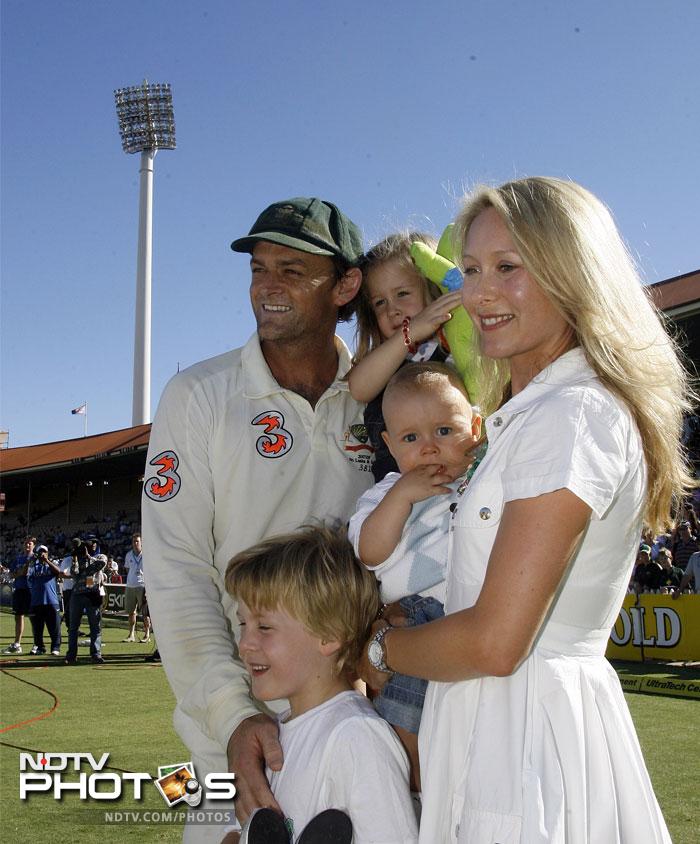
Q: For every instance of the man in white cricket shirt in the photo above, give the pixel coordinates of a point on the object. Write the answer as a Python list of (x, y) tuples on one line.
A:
[(245, 445)]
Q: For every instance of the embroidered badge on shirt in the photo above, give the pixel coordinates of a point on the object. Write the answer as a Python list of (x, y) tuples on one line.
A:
[(275, 440), (165, 484)]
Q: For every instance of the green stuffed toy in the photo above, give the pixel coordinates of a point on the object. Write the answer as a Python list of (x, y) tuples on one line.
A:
[(439, 268)]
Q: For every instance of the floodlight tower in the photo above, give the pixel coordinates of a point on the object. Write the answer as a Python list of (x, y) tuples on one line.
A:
[(146, 124)]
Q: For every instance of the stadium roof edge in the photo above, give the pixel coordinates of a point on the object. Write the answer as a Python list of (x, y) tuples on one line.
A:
[(675, 278), (679, 293), (30, 458)]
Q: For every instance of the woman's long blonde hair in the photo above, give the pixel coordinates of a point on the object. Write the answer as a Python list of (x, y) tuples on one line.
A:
[(570, 245)]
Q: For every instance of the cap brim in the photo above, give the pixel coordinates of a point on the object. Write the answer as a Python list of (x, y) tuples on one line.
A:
[(246, 244)]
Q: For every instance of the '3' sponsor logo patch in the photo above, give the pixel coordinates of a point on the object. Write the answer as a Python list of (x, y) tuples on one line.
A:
[(274, 440), (165, 484)]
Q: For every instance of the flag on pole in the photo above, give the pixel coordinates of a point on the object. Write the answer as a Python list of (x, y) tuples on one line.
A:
[(80, 409)]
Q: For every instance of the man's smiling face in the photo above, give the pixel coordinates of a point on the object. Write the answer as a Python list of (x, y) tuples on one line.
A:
[(292, 292)]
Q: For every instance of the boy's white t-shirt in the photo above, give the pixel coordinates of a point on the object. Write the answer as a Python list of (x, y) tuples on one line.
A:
[(418, 564), (342, 755)]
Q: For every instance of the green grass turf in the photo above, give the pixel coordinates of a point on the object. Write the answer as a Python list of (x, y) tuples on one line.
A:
[(670, 741), (668, 734), (125, 708)]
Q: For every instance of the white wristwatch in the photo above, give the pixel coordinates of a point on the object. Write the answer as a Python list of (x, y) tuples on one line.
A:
[(376, 651)]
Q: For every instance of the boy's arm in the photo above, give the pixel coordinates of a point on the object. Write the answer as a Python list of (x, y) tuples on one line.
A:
[(382, 530)]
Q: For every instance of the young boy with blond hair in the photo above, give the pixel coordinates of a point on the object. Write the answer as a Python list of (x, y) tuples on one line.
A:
[(305, 608)]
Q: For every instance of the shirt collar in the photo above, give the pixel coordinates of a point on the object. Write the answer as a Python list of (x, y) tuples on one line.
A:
[(260, 382), (569, 368)]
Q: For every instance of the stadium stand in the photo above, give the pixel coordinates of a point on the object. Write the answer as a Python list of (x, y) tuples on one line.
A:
[(62, 489)]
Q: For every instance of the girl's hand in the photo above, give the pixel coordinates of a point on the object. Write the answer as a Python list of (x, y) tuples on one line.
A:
[(427, 322)]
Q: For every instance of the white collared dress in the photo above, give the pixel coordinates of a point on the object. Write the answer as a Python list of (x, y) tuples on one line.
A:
[(549, 753)]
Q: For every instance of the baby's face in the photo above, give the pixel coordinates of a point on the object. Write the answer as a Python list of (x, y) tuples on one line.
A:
[(433, 426)]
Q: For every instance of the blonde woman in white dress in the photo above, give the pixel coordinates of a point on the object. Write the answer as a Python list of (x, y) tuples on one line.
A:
[(525, 735)]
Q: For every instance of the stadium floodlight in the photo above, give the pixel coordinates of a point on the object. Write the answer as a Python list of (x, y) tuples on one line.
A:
[(146, 124), (146, 119)]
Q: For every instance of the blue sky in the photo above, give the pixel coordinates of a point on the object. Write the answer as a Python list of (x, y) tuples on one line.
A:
[(388, 109)]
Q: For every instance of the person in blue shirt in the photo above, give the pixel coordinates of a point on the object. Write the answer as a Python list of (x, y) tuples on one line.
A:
[(42, 575), (21, 596)]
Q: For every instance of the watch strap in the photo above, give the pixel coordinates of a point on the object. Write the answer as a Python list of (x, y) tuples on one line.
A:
[(378, 638)]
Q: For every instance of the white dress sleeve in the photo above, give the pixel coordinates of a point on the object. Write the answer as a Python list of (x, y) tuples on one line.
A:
[(576, 440)]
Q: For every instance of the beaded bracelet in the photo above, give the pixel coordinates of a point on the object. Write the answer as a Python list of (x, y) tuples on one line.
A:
[(408, 343)]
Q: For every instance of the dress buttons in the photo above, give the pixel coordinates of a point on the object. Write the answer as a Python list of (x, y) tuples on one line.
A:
[(497, 422), (484, 513)]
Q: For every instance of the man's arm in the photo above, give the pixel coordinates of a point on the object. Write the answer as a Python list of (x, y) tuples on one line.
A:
[(685, 582), (55, 569), (184, 589), (683, 585), (95, 566), (687, 577)]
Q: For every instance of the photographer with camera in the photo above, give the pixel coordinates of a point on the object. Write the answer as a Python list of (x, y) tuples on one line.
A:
[(86, 598), (43, 576)]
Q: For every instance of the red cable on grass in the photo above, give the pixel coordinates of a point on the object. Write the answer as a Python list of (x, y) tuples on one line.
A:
[(36, 717)]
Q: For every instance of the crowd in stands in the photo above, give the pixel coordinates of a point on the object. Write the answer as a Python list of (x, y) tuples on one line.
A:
[(112, 535), (664, 562)]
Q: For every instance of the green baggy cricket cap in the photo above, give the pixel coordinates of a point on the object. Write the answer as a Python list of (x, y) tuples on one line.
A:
[(307, 224)]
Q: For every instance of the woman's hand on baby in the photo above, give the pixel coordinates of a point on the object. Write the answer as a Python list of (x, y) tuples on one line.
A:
[(395, 614), (423, 482), (427, 322)]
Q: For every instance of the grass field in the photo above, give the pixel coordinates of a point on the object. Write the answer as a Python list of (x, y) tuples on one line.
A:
[(124, 708)]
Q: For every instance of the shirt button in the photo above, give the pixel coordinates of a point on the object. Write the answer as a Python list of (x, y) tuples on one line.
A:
[(497, 422), (484, 513)]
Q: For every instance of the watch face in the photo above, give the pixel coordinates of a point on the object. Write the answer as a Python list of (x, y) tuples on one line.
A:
[(375, 654)]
